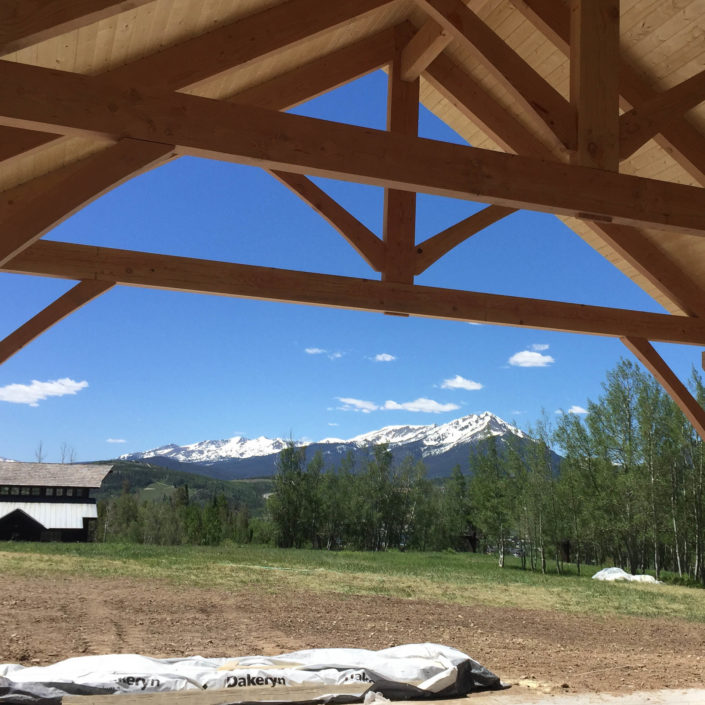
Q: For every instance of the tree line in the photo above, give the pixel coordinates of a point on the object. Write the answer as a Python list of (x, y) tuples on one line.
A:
[(628, 492)]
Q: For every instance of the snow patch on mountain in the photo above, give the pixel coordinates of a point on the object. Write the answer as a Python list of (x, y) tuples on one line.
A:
[(434, 439)]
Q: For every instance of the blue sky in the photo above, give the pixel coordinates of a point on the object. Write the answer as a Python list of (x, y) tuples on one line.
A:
[(137, 369)]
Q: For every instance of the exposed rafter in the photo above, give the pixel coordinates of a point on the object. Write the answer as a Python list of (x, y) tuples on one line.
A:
[(535, 93), (201, 127), (56, 259), (320, 75), (422, 49), (72, 300), (641, 124), (653, 362), (30, 210), (685, 143), (26, 22), (263, 34)]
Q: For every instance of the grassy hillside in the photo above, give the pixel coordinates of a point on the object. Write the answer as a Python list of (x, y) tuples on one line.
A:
[(154, 482)]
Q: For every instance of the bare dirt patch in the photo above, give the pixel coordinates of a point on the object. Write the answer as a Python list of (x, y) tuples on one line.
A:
[(43, 620)]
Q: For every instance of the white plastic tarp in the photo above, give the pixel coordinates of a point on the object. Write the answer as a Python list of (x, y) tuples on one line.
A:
[(615, 574), (412, 671)]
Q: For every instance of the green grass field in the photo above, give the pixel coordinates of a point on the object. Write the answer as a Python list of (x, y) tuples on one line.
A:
[(439, 577)]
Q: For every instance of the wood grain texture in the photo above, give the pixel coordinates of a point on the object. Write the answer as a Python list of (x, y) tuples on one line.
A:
[(202, 127), (65, 305), (535, 93), (26, 22), (665, 376), (594, 82), (28, 211), (68, 261)]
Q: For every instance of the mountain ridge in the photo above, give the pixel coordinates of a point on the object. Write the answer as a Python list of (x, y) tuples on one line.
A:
[(439, 446)]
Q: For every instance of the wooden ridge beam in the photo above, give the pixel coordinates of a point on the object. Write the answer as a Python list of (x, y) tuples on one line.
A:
[(653, 362), (82, 262), (638, 251), (27, 22), (639, 125), (530, 88), (594, 89), (433, 248), (422, 49), (400, 205), (65, 305), (36, 98), (28, 211), (362, 239), (684, 142)]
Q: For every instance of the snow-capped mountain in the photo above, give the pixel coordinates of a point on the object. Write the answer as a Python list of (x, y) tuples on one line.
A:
[(439, 446)]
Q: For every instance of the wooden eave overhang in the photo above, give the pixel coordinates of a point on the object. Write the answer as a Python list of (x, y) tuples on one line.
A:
[(590, 109)]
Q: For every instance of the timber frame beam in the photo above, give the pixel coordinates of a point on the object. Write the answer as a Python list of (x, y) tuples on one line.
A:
[(112, 266), (94, 107)]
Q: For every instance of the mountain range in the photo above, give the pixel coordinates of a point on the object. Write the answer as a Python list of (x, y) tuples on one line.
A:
[(439, 446)]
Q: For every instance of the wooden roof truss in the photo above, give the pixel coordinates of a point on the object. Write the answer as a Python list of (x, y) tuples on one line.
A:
[(558, 155)]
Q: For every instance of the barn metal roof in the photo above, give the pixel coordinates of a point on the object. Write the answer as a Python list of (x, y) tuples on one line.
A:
[(52, 474), (53, 515)]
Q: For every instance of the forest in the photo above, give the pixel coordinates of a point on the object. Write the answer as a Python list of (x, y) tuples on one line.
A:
[(628, 492)]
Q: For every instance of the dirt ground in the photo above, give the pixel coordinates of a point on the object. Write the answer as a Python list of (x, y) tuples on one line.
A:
[(46, 620)]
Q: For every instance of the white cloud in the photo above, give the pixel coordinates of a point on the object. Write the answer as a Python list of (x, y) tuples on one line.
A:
[(115, 440), (323, 351), (539, 347), (529, 358), (315, 351), (384, 357), (428, 406), (459, 382), (335, 355), (575, 409), (350, 404), (37, 391), (332, 423)]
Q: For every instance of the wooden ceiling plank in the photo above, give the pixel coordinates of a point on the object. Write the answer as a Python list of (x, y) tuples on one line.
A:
[(400, 206), (65, 305), (63, 260), (535, 93), (654, 265), (323, 74), (363, 240), (432, 249), (422, 49), (640, 124), (653, 362), (682, 140), (594, 89), (468, 96), (27, 22), (30, 210), (36, 98), (249, 39), (264, 34)]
